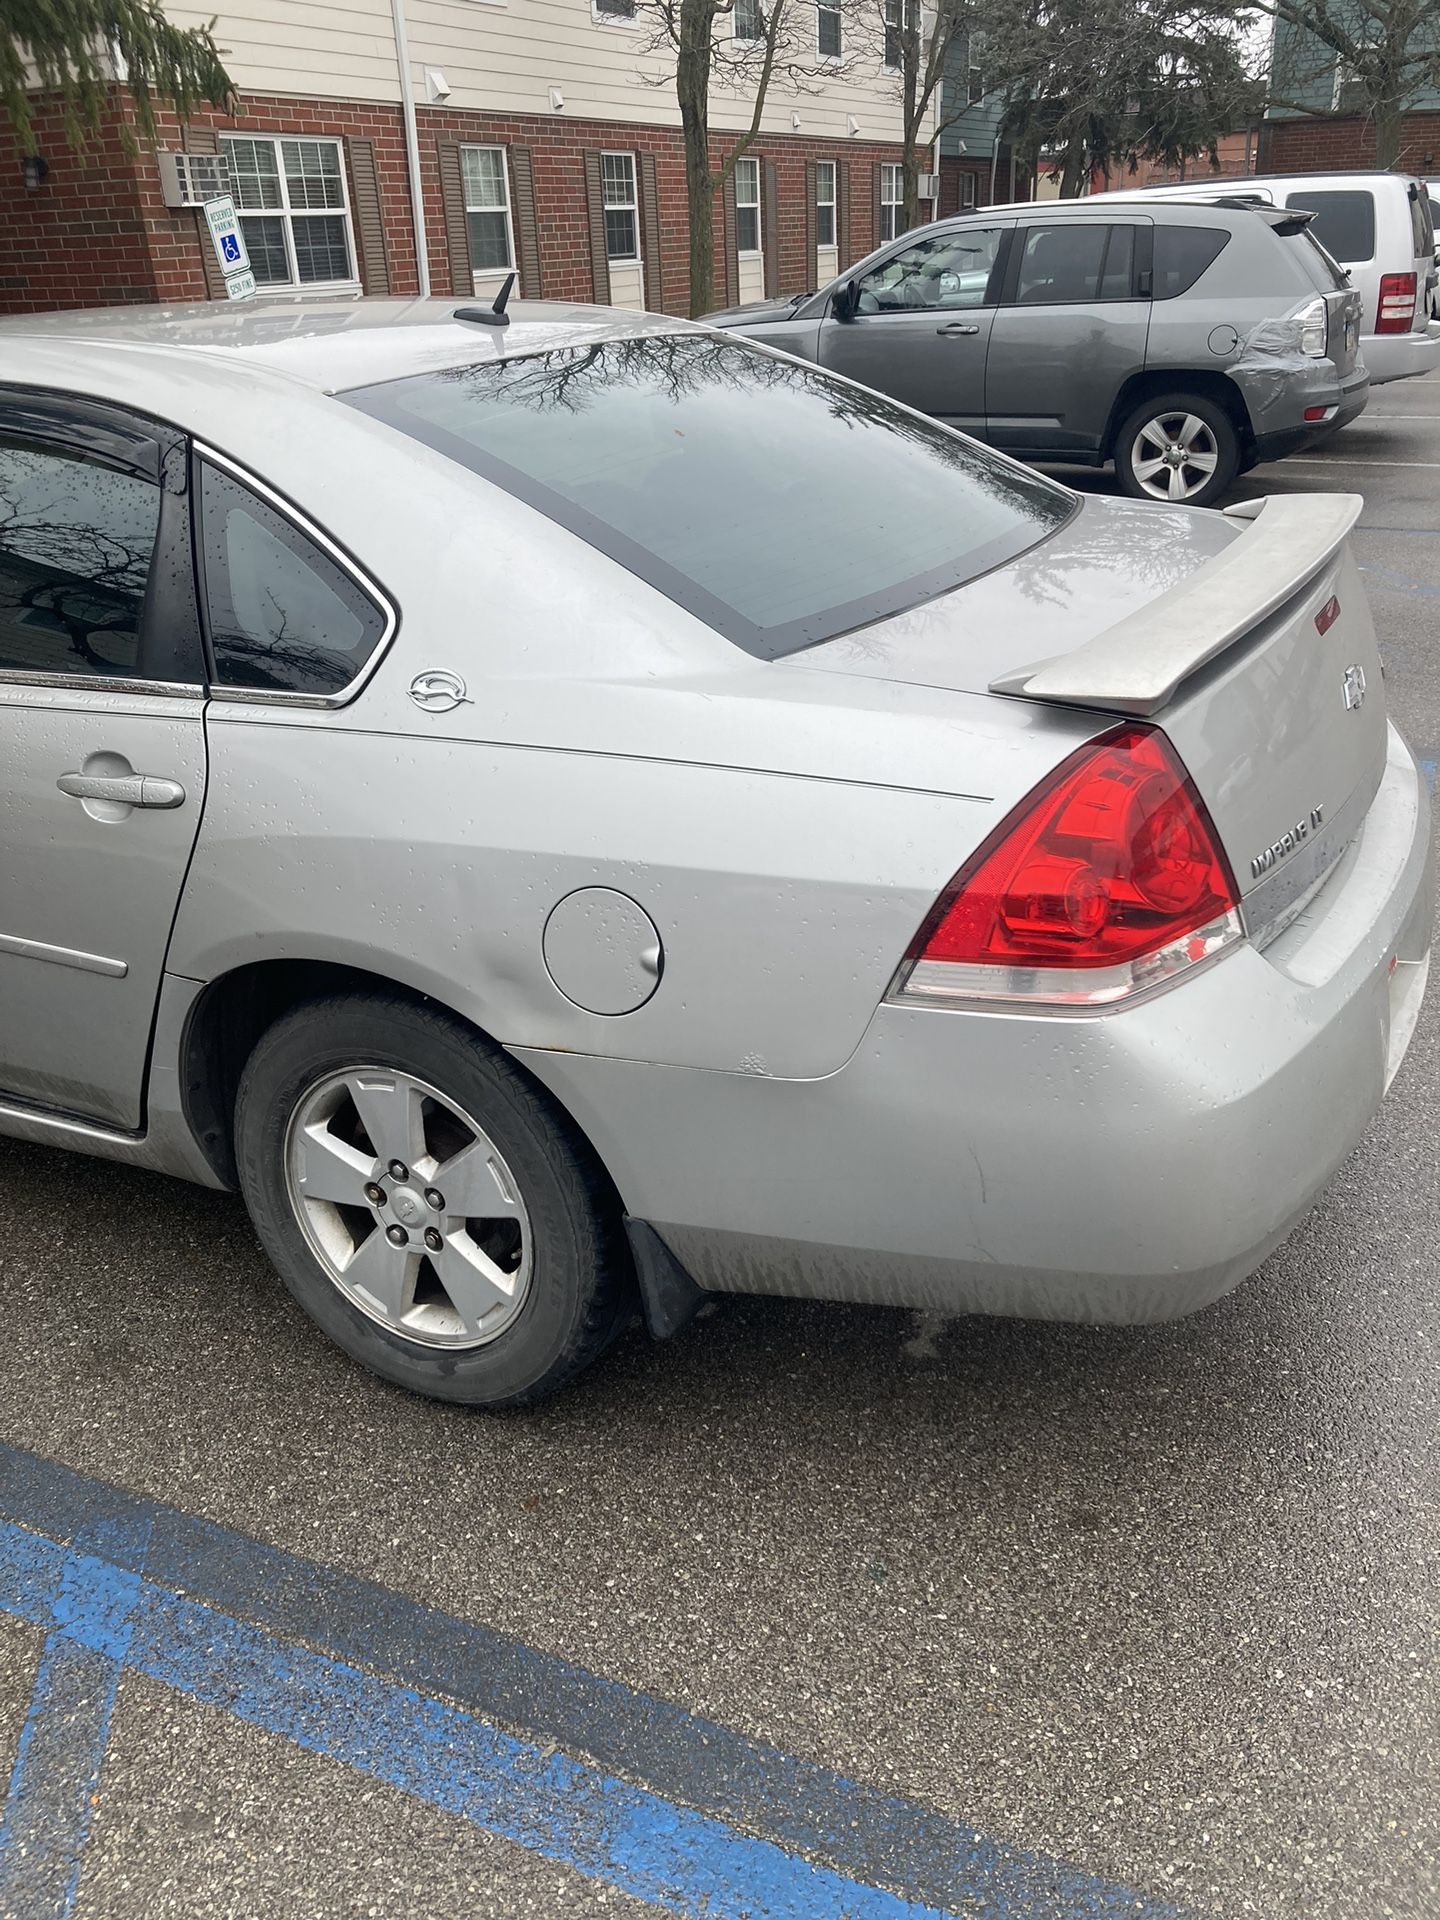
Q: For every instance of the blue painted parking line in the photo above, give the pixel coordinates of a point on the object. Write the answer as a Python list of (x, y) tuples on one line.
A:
[(62, 1743), (627, 1789)]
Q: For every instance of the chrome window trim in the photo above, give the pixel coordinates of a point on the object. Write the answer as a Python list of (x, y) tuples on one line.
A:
[(368, 585), (101, 683)]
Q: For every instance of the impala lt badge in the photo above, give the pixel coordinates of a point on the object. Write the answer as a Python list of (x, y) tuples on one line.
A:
[(1292, 838), (1354, 687)]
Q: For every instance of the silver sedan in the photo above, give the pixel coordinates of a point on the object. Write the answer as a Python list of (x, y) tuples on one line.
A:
[(574, 813)]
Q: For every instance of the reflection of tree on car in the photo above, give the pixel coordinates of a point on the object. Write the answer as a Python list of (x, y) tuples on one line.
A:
[(77, 558), (953, 271)]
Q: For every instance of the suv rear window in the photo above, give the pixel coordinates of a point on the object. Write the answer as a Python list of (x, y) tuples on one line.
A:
[(1344, 221), (779, 505), (1182, 254)]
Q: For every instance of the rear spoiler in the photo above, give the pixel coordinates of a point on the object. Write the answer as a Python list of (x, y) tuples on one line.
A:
[(1136, 665)]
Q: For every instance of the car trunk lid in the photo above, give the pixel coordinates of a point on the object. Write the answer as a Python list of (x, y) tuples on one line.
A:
[(1260, 664)]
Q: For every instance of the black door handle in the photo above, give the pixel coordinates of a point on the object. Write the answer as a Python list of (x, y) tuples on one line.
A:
[(955, 330)]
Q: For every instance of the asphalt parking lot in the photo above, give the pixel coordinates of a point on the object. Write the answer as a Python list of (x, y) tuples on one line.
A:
[(811, 1611)]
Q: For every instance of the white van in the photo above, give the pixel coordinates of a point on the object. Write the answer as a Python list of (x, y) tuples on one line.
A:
[(1378, 226)]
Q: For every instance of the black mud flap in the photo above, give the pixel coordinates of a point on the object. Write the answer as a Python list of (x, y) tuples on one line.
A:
[(671, 1298)]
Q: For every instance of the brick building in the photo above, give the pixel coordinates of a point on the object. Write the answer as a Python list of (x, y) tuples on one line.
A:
[(546, 138)]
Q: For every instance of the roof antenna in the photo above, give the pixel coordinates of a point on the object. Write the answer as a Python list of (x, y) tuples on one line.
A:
[(495, 316)]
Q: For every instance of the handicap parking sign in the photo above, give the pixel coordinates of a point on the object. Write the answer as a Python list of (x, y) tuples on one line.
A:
[(229, 241)]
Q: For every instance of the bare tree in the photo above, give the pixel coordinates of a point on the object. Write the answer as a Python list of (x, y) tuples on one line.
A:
[(700, 36), (1374, 56), (918, 42)]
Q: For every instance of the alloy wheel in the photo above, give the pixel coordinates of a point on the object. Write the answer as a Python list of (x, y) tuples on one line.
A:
[(409, 1207), (1174, 456)]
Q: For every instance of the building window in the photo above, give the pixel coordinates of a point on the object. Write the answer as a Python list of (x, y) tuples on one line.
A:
[(968, 185), (622, 227), (893, 30), (824, 203), (748, 20), (290, 195), (487, 209), (828, 37), (892, 203), (747, 206), (623, 10), (977, 86)]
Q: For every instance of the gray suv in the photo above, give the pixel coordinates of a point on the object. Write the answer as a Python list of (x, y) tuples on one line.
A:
[(1183, 343)]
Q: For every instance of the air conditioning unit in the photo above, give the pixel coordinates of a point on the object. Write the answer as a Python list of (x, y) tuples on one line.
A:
[(929, 188), (190, 179)]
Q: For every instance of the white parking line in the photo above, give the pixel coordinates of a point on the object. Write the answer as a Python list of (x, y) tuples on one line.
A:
[(1349, 460)]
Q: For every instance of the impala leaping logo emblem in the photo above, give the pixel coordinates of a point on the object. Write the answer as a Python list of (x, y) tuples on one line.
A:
[(438, 691)]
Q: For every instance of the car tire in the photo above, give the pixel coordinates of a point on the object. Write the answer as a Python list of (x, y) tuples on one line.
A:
[(517, 1297), (1189, 421)]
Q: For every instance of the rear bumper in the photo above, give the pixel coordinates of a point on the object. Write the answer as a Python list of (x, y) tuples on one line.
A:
[(1341, 409), (1400, 356), (1277, 412), (1124, 1168)]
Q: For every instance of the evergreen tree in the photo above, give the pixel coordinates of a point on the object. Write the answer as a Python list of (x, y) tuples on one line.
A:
[(79, 49)]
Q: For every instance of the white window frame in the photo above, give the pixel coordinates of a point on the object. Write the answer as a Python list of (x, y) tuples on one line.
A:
[(822, 168), (752, 167), (747, 39), (974, 76), (906, 13), (628, 21), (632, 206), (969, 190), (892, 175), (830, 6), (286, 214), (475, 146)]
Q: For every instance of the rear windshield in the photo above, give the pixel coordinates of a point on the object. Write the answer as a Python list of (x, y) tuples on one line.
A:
[(1344, 221), (781, 506), (1326, 274)]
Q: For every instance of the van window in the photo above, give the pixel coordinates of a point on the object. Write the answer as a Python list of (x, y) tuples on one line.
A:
[(1344, 221), (1182, 254)]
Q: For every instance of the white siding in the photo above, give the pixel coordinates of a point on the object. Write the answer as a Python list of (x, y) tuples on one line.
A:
[(343, 50), (627, 287), (504, 56)]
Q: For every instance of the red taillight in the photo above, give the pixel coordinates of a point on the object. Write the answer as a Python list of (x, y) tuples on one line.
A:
[(1397, 303), (1108, 879)]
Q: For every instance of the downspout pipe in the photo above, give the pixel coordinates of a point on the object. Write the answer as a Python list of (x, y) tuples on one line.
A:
[(412, 145)]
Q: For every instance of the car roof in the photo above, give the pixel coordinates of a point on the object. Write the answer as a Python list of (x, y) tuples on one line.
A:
[(1235, 182), (329, 344), (1090, 207)]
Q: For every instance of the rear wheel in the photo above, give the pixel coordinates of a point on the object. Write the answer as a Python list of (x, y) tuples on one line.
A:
[(1180, 447), (426, 1204)]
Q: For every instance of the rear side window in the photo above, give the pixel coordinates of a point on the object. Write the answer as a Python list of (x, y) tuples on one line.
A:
[(774, 502), (1421, 224), (76, 542), (1065, 265), (284, 616), (1182, 254), (1344, 221)]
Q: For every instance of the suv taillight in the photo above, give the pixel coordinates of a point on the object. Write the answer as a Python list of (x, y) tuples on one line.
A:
[(1397, 303), (1314, 329), (1105, 882)]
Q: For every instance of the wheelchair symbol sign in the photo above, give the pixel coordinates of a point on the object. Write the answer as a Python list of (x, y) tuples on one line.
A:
[(229, 243)]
